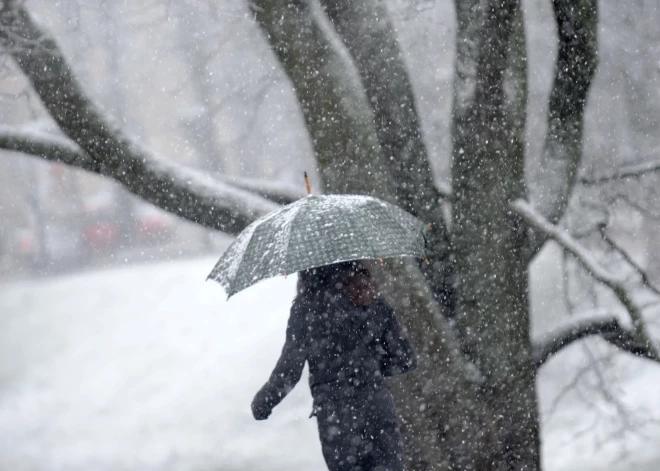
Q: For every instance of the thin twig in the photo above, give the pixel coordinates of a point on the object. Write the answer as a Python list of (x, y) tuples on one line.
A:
[(628, 171), (626, 256), (591, 265), (608, 329)]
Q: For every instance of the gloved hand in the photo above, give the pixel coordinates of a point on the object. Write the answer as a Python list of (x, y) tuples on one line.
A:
[(260, 407)]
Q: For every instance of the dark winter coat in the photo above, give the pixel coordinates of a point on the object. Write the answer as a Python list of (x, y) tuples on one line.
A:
[(349, 349)]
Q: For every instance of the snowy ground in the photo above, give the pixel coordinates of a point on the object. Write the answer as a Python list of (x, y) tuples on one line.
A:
[(149, 368)]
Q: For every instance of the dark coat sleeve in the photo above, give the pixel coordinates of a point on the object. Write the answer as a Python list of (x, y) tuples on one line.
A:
[(398, 355), (288, 369)]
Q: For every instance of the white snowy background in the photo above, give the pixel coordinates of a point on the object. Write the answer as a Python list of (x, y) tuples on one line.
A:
[(148, 367)]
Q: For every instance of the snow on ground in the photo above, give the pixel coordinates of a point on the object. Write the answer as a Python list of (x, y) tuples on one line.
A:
[(150, 368), (145, 368)]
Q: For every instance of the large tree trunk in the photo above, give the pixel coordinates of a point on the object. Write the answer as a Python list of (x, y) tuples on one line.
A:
[(333, 104), (488, 239), (368, 33)]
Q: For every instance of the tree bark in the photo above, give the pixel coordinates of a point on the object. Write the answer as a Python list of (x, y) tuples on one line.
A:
[(333, 104), (367, 31), (608, 329), (577, 59), (488, 238)]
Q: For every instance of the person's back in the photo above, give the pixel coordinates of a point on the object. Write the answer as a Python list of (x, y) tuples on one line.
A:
[(350, 341)]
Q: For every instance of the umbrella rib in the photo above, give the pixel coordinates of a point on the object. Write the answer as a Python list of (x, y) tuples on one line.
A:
[(239, 263), (368, 239), (288, 241)]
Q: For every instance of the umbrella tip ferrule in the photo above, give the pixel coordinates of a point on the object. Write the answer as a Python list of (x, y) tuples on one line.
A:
[(307, 185)]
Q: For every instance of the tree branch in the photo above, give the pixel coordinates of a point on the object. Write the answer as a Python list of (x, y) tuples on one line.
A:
[(181, 191), (591, 265), (625, 172), (626, 256), (608, 329), (47, 146), (577, 59), (59, 149)]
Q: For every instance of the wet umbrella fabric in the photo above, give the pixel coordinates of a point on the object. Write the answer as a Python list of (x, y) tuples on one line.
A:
[(316, 231)]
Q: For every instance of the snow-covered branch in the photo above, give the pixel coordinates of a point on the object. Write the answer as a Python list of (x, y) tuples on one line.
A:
[(591, 265), (59, 149), (99, 146), (46, 146), (577, 59), (608, 329)]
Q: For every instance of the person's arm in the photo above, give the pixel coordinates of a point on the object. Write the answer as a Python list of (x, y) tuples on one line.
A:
[(288, 369), (399, 356)]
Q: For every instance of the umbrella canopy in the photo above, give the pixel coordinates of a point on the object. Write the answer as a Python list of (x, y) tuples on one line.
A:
[(316, 231)]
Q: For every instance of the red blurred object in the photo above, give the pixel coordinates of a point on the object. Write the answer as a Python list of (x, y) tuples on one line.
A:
[(102, 235), (26, 244), (153, 227)]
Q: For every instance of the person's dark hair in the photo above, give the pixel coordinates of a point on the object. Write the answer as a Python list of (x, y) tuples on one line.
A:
[(330, 280)]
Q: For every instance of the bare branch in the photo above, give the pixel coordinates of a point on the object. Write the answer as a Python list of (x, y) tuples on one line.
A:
[(625, 172), (626, 256), (591, 265), (608, 329), (182, 191)]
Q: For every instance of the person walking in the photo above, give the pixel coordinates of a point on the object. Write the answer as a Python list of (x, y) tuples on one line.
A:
[(351, 340)]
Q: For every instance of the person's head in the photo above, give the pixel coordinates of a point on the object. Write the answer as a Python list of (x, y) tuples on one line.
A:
[(353, 279)]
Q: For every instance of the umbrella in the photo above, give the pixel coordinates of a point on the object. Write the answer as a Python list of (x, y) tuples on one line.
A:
[(316, 231)]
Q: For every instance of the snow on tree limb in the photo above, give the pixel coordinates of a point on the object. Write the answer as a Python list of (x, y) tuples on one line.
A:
[(59, 149), (608, 329), (591, 265), (47, 146), (179, 190), (577, 59)]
